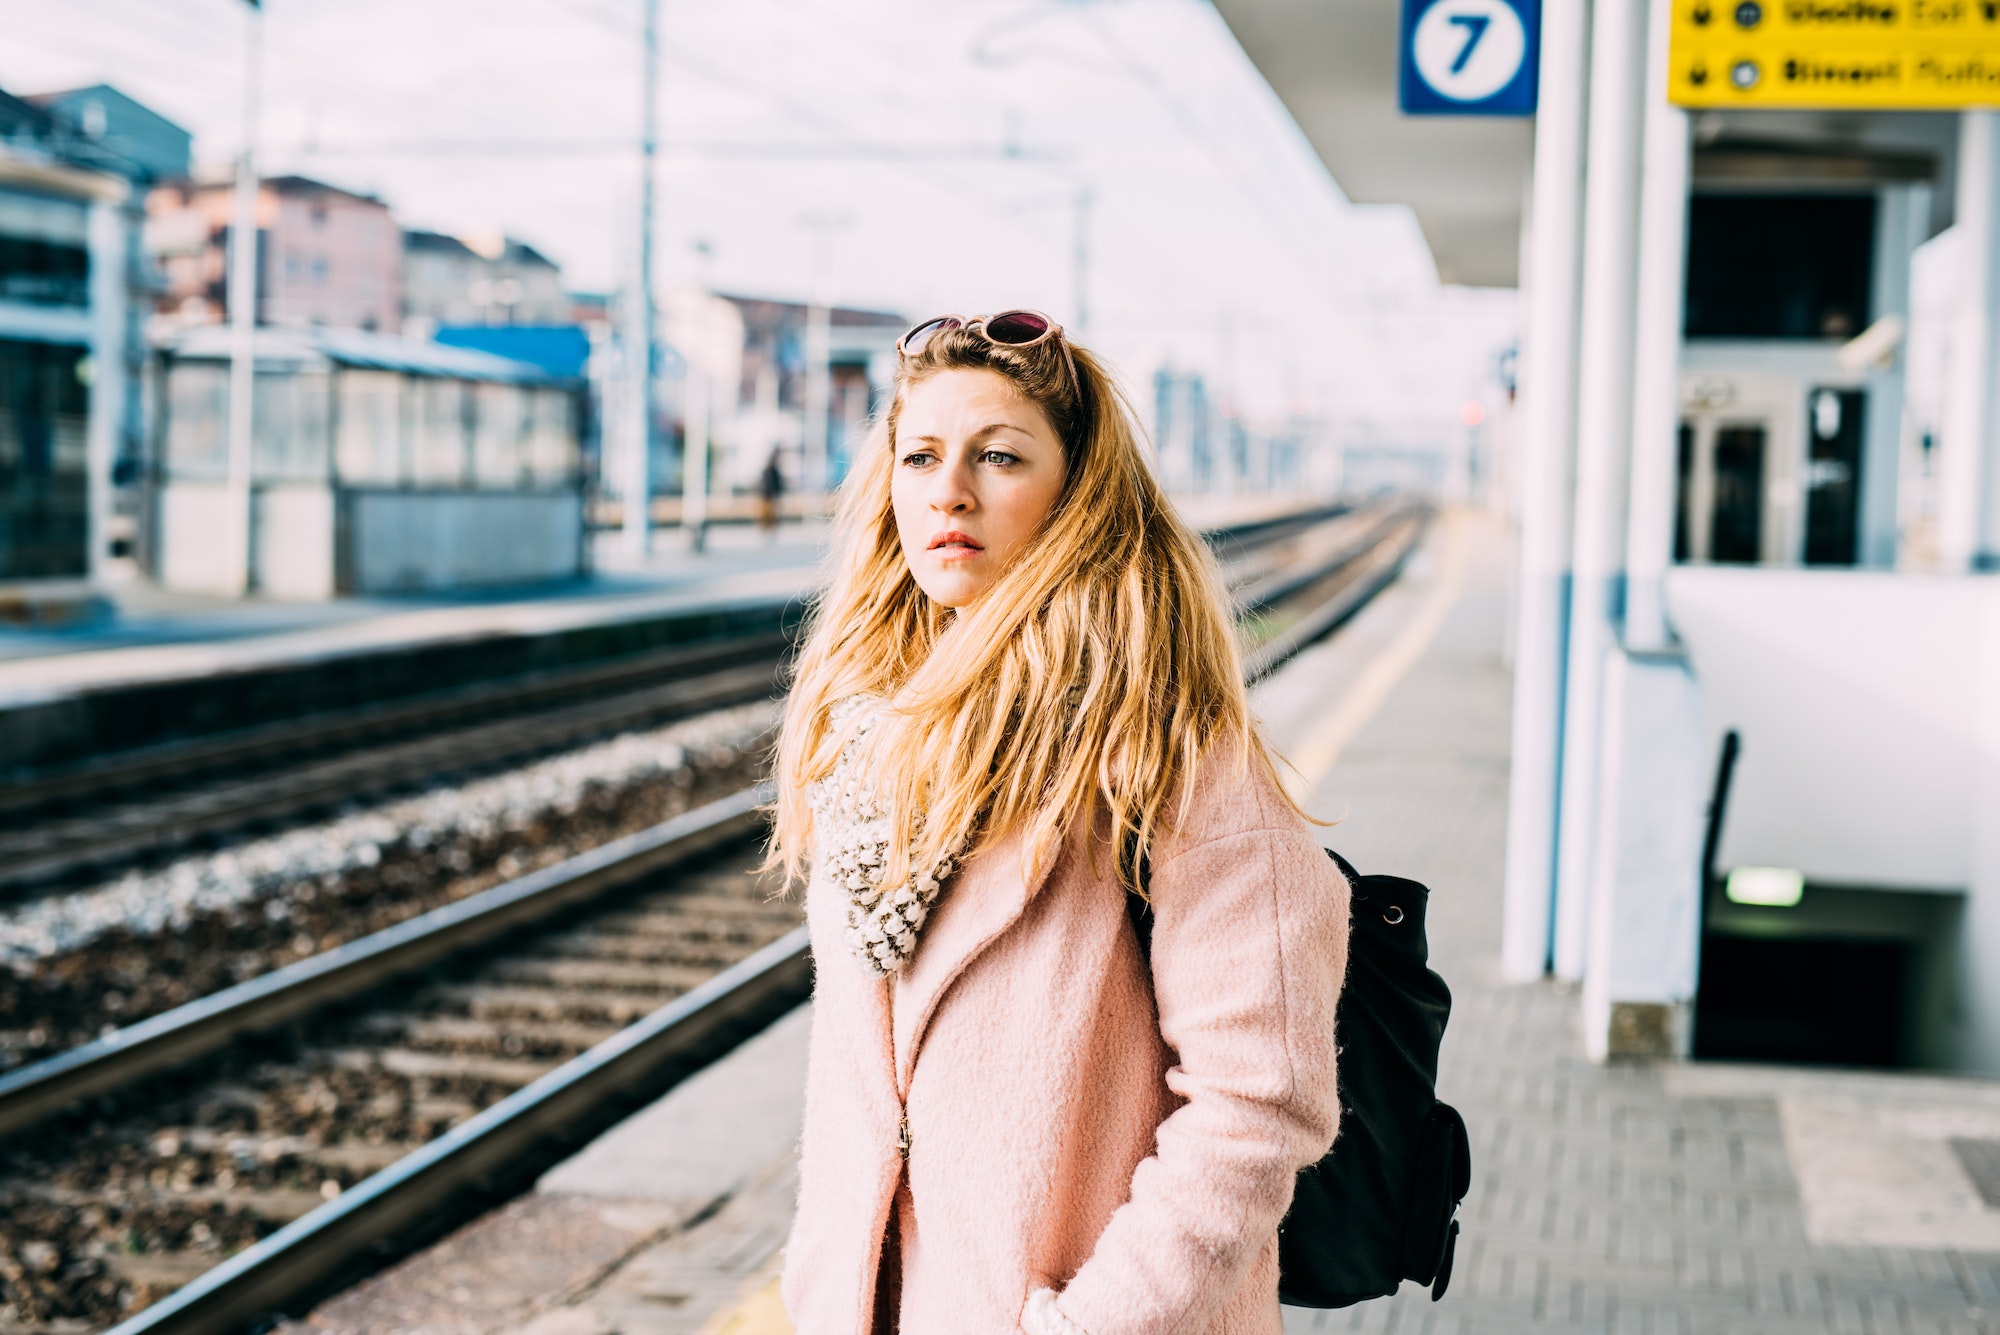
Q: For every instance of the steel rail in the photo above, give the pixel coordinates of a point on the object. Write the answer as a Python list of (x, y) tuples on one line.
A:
[(192, 756), (187, 756), (1282, 584), (99, 839), (1382, 564), (176, 1037), (489, 1157)]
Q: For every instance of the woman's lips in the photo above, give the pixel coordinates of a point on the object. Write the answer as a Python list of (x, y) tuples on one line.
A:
[(952, 545)]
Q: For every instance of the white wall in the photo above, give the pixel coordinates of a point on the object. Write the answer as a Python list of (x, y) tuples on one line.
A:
[(1645, 912), (191, 514), (293, 528), (1856, 694), (441, 540)]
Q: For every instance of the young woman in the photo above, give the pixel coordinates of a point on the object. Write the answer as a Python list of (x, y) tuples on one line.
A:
[(1020, 704)]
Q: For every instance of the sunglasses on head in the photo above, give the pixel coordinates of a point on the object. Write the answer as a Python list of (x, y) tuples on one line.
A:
[(1009, 329)]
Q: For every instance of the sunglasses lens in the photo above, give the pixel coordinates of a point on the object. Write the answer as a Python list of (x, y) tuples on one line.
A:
[(913, 342), (1016, 327)]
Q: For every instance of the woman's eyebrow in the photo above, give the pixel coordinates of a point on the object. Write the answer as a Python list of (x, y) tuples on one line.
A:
[(992, 427)]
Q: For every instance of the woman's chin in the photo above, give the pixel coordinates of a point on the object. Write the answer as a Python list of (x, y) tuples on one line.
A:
[(950, 588)]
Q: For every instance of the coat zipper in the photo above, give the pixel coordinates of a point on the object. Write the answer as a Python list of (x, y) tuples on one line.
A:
[(903, 1136)]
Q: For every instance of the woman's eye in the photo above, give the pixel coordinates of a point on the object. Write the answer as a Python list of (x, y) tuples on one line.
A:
[(998, 457), (917, 458)]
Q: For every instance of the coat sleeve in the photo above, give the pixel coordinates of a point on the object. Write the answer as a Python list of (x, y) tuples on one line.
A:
[(1249, 953)]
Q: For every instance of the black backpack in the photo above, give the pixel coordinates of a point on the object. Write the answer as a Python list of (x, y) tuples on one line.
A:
[(1378, 1209)]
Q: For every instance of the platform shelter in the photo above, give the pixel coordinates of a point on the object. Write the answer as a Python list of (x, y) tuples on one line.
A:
[(379, 465)]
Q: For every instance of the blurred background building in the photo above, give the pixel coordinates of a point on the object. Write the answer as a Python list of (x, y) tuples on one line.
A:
[(325, 256), (74, 293)]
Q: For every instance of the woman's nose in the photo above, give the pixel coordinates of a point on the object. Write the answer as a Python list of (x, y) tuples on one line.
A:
[(952, 495)]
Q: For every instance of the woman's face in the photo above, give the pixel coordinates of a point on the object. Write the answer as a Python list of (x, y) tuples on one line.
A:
[(978, 467)]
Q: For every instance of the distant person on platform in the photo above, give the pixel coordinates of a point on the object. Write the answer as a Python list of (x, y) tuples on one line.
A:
[(1020, 703), (770, 486)]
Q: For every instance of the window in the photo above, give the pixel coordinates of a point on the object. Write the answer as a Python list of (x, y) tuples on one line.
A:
[(552, 448), (290, 424), (1779, 266), (368, 450), (500, 435), (43, 407), (1833, 475), (438, 432), (197, 444), (44, 273)]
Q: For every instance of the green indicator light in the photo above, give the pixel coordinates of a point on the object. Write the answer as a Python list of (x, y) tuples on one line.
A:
[(1766, 887)]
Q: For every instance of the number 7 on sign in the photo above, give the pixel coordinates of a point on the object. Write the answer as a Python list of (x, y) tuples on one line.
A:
[(1461, 53), (1475, 26)]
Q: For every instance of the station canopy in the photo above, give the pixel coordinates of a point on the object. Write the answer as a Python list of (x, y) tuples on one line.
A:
[(1333, 64), (302, 347)]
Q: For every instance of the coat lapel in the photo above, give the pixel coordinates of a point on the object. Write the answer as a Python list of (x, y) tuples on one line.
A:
[(986, 898)]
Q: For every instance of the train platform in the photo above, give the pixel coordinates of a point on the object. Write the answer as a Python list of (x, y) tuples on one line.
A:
[(174, 669), (153, 632), (1656, 1197)]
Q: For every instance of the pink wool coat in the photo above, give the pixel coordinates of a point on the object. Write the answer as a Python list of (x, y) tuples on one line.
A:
[(1062, 1133)]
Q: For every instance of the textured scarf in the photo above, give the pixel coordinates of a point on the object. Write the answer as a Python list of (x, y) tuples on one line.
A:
[(852, 829)]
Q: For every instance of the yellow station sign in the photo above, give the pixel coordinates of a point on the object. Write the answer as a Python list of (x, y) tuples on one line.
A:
[(1807, 54)]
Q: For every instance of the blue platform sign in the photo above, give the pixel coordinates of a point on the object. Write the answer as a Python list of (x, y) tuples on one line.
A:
[(1470, 57)]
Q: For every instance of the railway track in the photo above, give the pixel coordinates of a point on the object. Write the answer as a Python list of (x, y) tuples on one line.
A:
[(60, 827), (267, 1144)]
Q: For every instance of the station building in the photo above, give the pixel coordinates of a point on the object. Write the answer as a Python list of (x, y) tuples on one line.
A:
[(1755, 799), (74, 294)]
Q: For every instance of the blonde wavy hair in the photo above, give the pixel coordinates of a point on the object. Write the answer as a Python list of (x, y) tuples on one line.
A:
[(1086, 685)]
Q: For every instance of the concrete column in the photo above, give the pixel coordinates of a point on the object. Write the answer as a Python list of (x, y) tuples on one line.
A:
[(1656, 351), (1645, 918), (1902, 214), (1969, 468), (1979, 938), (109, 381), (1547, 444), (1603, 441)]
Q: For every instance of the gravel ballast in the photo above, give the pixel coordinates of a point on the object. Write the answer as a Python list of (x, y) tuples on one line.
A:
[(75, 964)]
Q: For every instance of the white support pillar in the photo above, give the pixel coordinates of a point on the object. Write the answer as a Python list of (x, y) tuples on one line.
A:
[(1547, 440), (1903, 223), (1979, 936), (1969, 468), (1644, 920), (110, 290), (1603, 440), (1656, 350)]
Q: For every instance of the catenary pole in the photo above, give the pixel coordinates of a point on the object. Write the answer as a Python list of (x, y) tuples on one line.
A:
[(1080, 259), (1548, 434), (638, 488), (242, 298)]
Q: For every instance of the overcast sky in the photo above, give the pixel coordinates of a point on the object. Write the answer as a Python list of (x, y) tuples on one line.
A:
[(914, 155)]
